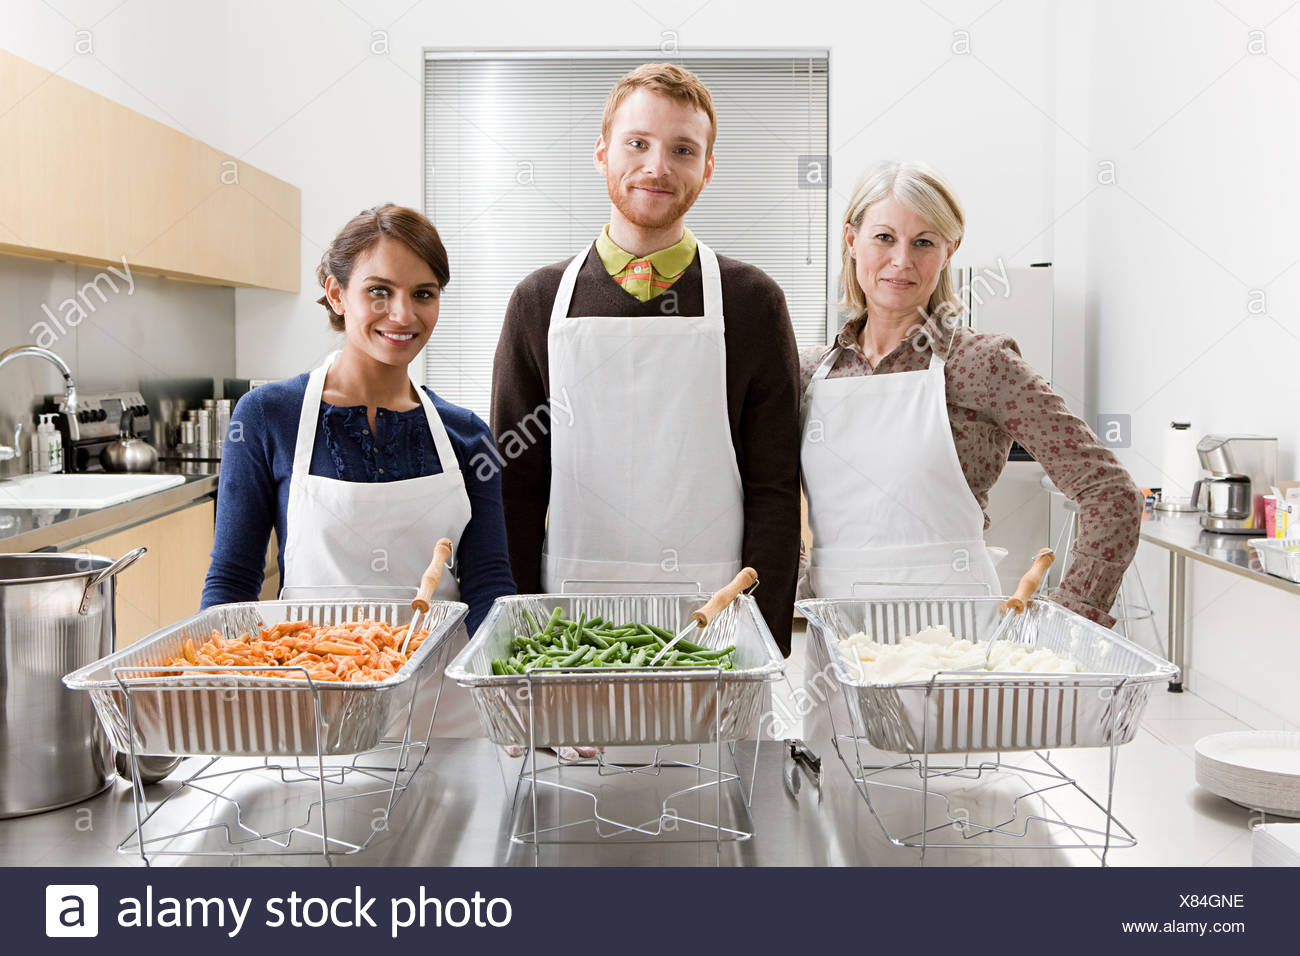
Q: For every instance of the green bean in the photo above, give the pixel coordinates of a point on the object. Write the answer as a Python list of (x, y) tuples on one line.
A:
[(576, 658), (598, 642), (689, 647), (687, 661)]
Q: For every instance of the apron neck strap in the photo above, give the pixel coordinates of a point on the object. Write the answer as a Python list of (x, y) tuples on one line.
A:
[(564, 294), (710, 274), (441, 443), (311, 402), (818, 375), (826, 365)]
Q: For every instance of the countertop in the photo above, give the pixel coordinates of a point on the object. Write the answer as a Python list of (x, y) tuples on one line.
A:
[(24, 530), (462, 804), (1181, 533)]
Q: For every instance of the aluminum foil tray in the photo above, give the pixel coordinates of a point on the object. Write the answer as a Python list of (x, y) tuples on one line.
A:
[(620, 706), (1280, 556), (229, 714), (963, 713)]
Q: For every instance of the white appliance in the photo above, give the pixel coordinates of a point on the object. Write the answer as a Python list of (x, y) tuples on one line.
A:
[(1019, 302)]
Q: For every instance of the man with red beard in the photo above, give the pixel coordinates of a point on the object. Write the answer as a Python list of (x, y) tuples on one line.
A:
[(671, 454)]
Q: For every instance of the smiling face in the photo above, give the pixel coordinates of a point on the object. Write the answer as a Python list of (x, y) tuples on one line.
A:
[(655, 162), (390, 304), (898, 259)]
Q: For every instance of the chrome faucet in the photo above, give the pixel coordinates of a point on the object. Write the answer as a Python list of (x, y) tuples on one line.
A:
[(8, 452)]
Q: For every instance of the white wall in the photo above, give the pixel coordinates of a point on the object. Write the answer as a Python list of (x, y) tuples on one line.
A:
[(1205, 139)]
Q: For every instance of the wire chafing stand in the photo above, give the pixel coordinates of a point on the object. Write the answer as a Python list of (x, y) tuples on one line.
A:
[(667, 722), (1003, 726), (352, 748)]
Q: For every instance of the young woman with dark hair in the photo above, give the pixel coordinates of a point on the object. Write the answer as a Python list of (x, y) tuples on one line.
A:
[(357, 469)]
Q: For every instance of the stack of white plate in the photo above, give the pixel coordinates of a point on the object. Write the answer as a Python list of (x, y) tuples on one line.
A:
[(1259, 769)]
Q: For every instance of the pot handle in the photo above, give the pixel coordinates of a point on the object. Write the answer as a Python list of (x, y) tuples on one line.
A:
[(117, 567)]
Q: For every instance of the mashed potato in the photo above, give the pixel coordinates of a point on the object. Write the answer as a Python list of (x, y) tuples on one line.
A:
[(920, 656)]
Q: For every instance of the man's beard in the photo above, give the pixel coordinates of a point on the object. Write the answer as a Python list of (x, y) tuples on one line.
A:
[(624, 204)]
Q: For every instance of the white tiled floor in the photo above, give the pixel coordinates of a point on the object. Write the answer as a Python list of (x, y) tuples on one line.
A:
[(1156, 796)]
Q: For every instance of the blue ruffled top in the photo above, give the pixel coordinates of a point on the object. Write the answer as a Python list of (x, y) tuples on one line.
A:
[(253, 492)]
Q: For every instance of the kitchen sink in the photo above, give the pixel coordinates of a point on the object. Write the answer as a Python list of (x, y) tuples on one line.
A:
[(80, 491)]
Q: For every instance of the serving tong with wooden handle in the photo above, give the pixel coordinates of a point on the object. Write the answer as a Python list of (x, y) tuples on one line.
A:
[(1017, 602), (721, 598), (428, 584)]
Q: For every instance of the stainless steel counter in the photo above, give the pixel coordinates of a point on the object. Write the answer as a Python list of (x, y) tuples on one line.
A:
[(1182, 534), (462, 805), (26, 529), (1183, 537)]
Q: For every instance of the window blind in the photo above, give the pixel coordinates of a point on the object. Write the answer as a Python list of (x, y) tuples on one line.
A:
[(509, 182)]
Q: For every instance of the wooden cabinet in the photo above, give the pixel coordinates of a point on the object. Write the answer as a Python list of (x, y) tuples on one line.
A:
[(167, 583), (86, 179)]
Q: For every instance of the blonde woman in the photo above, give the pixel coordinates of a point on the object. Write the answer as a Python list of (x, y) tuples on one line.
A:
[(908, 417)]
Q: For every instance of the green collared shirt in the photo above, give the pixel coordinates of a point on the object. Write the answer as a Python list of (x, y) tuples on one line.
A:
[(646, 276)]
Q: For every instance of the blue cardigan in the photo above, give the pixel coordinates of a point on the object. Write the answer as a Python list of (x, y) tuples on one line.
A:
[(253, 491)]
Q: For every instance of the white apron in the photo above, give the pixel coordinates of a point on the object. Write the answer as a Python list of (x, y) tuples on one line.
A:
[(644, 481), (362, 534), (889, 508)]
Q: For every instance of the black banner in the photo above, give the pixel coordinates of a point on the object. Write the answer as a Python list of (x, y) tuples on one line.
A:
[(651, 910)]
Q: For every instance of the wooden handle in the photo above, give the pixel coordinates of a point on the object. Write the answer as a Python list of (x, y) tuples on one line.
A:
[(1030, 582), (721, 598), (432, 574)]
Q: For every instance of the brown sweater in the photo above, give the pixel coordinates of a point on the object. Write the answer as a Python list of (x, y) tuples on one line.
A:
[(762, 404)]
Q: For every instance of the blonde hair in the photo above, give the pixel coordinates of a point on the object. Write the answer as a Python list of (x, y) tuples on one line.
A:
[(926, 193), (670, 80)]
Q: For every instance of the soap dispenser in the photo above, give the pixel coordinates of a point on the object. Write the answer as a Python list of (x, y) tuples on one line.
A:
[(48, 447)]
